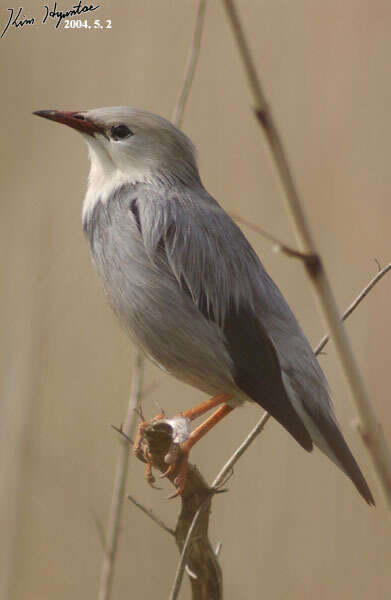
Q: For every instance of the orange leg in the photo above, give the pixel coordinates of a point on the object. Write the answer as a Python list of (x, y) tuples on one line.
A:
[(193, 438), (197, 434), (194, 413), (199, 410)]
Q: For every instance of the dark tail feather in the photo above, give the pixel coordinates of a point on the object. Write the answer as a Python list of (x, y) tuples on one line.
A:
[(351, 468), (328, 426)]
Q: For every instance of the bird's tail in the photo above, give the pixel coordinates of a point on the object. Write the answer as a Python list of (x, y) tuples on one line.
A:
[(321, 424), (344, 459)]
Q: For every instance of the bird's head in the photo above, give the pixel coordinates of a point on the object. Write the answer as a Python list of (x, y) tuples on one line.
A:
[(129, 145)]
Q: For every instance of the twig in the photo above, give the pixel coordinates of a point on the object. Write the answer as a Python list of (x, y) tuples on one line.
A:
[(356, 302), (221, 476), (151, 515), (370, 428), (191, 65), (292, 252), (278, 244), (114, 520)]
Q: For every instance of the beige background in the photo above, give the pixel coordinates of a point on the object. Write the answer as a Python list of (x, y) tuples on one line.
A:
[(292, 526)]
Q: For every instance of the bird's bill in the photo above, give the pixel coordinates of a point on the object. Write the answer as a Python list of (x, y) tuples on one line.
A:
[(73, 119)]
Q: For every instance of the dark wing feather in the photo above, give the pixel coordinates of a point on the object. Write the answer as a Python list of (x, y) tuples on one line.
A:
[(258, 372)]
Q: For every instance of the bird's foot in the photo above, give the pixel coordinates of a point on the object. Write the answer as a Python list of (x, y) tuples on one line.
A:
[(138, 448), (149, 476), (178, 460), (180, 469), (162, 441)]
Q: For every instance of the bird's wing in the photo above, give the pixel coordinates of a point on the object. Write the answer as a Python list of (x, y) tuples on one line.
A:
[(215, 266)]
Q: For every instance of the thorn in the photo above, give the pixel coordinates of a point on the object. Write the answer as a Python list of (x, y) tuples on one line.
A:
[(217, 490), (121, 431), (139, 411), (174, 495), (218, 549), (378, 264), (160, 409)]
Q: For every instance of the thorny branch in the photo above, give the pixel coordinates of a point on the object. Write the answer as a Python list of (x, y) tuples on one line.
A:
[(199, 557), (196, 551), (369, 428)]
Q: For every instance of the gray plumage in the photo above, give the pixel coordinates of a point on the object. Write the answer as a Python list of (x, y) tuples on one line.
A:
[(187, 286)]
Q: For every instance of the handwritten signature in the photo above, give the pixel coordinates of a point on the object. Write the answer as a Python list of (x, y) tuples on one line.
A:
[(19, 20)]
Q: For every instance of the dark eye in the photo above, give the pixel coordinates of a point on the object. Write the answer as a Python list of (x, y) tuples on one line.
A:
[(120, 132)]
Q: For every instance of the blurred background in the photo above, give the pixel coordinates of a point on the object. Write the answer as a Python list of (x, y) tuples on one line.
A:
[(292, 525)]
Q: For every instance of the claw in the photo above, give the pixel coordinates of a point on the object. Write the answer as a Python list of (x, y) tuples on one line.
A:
[(150, 477), (180, 479), (174, 495), (138, 442), (167, 472)]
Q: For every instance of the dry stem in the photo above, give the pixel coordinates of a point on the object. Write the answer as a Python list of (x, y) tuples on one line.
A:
[(191, 65), (111, 541), (370, 428), (199, 556)]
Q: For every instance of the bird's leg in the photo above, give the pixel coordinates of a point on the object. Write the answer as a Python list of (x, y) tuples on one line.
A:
[(149, 474), (194, 437), (178, 455), (194, 413), (199, 410)]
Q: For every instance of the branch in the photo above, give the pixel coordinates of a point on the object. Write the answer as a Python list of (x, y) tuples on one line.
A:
[(114, 520), (369, 426), (279, 246), (191, 65), (355, 303), (149, 512), (199, 556)]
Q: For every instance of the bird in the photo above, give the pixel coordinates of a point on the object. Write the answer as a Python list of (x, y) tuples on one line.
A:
[(189, 289)]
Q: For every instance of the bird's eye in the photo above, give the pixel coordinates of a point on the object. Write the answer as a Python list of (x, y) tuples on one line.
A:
[(120, 132)]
